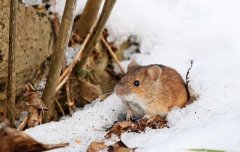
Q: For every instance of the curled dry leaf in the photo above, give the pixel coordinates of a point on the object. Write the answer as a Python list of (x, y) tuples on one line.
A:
[(139, 126), (75, 40), (36, 107), (116, 147), (120, 147), (12, 140), (96, 146), (78, 141), (88, 90)]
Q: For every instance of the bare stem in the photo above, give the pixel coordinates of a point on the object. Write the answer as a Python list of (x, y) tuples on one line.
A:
[(11, 87), (112, 54), (23, 124), (97, 30), (89, 42), (188, 72), (58, 58)]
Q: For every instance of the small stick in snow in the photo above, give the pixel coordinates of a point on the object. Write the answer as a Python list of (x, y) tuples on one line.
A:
[(23, 124), (192, 95), (60, 107), (188, 72), (70, 100), (112, 54)]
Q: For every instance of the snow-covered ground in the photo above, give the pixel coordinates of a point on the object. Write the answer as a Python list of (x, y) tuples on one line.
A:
[(171, 32)]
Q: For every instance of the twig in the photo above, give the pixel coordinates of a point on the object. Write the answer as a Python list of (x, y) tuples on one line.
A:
[(112, 54), (58, 57), (11, 86), (70, 101), (60, 107), (188, 72), (54, 146), (23, 124), (96, 31), (89, 42)]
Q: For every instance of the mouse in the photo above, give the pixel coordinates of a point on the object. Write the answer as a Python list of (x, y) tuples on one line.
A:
[(151, 90)]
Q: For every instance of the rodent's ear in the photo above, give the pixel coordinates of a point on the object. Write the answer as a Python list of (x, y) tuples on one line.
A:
[(132, 64), (154, 72)]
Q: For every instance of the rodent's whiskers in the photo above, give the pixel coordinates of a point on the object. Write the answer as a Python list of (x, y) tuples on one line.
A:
[(108, 91)]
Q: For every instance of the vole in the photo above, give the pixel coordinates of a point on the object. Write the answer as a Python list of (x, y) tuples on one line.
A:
[(151, 90)]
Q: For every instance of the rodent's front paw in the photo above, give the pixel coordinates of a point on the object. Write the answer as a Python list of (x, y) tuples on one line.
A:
[(129, 115), (147, 116)]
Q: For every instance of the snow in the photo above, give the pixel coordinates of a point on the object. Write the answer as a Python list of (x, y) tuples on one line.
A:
[(171, 32)]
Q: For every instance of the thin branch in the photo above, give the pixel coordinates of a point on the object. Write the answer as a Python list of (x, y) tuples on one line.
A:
[(58, 57), (97, 30), (112, 54), (11, 87), (60, 107), (89, 42), (23, 124), (188, 72), (70, 101)]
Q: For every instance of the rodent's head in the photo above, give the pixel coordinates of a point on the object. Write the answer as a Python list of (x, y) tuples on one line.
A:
[(139, 82)]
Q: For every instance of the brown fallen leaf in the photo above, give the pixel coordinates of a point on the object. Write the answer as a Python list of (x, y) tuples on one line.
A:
[(120, 147), (116, 147), (36, 107), (12, 140), (139, 126), (96, 146), (88, 90), (78, 141)]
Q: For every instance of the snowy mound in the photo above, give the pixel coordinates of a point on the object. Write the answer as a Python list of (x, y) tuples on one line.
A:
[(171, 32)]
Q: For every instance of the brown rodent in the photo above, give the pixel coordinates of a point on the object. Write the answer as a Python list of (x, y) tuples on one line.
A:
[(150, 90)]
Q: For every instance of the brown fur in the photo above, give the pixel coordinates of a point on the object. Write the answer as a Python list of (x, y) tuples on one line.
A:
[(160, 89)]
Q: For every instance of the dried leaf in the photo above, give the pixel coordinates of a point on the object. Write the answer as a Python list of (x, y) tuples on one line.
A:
[(116, 147), (33, 114), (88, 90), (139, 126), (12, 140), (120, 147), (78, 141), (36, 107), (96, 146), (35, 101)]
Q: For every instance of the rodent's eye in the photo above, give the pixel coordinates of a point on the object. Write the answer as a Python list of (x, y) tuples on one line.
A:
[(136, 83)]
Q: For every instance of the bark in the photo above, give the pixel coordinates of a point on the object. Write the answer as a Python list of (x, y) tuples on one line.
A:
[(58, 58), (34, 41), (87, 18), (11, 86)]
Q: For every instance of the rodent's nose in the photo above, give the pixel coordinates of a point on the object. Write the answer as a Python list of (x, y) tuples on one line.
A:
[(121, 90)]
